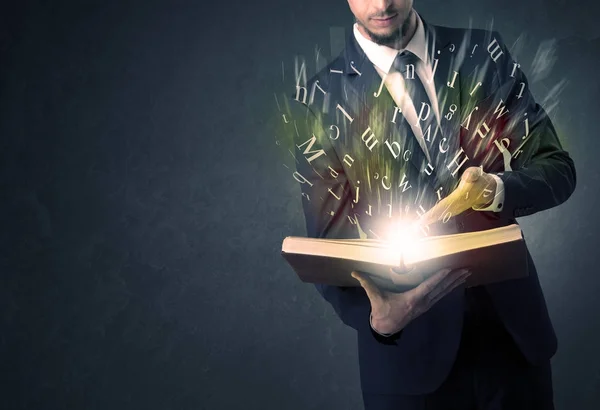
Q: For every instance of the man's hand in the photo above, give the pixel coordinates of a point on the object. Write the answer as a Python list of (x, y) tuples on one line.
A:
[(391, 312), (475, 190)]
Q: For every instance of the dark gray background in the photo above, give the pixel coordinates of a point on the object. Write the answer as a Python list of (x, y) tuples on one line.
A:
[(144, 200)]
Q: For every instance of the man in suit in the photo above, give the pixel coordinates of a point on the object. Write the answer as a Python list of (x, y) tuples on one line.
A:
[(416, 122)]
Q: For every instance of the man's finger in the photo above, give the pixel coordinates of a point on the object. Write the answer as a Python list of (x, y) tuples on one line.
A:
[(454, 204), (434, 214), (445, 206), (458, 200), (450, 282), (471, 174), (427, 285), (373, 292), (449, 289)]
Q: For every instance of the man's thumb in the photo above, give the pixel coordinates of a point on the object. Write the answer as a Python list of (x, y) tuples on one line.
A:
[(370, 288), (472, 174)]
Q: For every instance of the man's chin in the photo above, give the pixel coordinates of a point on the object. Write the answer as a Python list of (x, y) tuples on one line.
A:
[(387, 36)]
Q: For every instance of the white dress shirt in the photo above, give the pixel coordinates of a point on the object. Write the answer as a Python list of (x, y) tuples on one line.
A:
[(382, 58)]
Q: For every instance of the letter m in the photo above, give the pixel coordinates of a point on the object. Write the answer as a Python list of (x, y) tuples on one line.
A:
[(307, 150)]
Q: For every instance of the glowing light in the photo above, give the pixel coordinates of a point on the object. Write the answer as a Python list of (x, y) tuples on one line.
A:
[(404, 240)]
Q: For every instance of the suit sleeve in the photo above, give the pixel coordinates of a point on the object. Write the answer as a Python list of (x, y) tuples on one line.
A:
[(541, 174), (327, 204)]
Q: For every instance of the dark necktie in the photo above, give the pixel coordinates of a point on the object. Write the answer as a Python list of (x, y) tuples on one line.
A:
[(406, 64)]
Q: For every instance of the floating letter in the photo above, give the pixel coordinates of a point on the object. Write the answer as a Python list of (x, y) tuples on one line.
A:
[(443, 151), (500, 109), (521, 92), (337, 135), (348, 160), (410, 71), (298, 177), (370, 140), (307, 150), (451, 84), (427, 133), (515, 66), (394, 148), (455, 161), (387, 188), (421, 118), (452, 110), (357, 192), (526, 128), (333, 172), (298, 89), (475, 88), (339, 107), (396, 111), (404, 184), (468, 119), (354, 68), (439, 193), (481, 134), (495, 50), (378, 93), (334, 195), (435, 64), (312, 94)]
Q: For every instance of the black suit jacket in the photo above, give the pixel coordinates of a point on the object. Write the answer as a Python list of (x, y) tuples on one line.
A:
[(349, 138)]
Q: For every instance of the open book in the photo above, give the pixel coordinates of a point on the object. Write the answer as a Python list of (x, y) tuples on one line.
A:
[(492, 255)]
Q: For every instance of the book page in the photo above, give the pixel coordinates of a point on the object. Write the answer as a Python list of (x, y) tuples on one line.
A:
[(411, 250)]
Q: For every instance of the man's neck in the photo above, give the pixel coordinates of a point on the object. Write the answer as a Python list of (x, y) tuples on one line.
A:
[(408, 31)]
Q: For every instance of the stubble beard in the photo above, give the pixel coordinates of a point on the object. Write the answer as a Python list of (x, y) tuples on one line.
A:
[(394, 38)]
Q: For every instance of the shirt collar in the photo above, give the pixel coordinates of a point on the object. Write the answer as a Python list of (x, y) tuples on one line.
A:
[(383, 56)]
